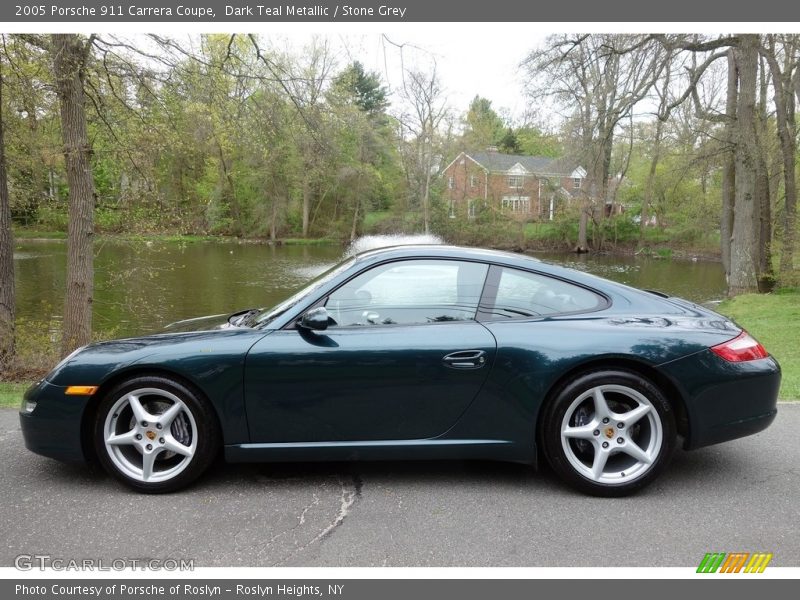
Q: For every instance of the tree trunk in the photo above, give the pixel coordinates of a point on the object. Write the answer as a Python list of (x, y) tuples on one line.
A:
[(426, 192), (763, 227), (273, 223), (744, 250), (306, 203), (785, 118), (583, 222), (763, 210), (729, 168), (606, 200), (651, 179), (236, 214), (7, 306), (789, 150), (69, 56), (354, 228)]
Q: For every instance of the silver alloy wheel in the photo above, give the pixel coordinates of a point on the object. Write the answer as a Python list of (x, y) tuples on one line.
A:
[(150, 435), (624, 444)]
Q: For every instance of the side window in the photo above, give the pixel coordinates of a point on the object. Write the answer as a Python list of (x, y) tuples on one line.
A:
[(410, 292), (524, 294)]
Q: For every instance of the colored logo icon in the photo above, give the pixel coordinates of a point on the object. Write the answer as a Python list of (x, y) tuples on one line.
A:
[(734, 562)]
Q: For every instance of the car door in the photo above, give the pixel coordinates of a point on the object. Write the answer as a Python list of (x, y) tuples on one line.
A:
[(402, 358)]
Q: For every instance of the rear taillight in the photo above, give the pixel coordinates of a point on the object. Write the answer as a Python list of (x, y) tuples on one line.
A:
[(742, 348)]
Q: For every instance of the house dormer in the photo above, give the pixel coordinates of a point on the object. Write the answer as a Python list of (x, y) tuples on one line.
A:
[(578, 176), (516, 176)]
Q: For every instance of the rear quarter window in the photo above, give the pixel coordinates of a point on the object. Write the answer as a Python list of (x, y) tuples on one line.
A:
[(524, 294)]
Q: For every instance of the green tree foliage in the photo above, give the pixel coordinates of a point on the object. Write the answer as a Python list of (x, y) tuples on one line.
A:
[(483, 127), (32, 131), (509, 143), (364, 90), (223, 138), (533, 142)]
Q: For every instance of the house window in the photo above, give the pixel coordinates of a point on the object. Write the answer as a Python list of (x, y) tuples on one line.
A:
[(472, 209), (473, 181), (515, 181), (576, 183), (451, 182), (517, 204)]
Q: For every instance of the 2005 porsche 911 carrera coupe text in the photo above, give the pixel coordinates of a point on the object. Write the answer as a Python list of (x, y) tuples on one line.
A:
[(416, 352)]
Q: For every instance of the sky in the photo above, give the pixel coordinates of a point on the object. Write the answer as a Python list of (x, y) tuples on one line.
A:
[(486, 64)]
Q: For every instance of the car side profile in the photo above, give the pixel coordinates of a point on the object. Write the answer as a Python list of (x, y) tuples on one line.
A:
[(416, 352)]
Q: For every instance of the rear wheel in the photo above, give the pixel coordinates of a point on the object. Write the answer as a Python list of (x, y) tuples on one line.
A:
[(155, 434), (609, 433)]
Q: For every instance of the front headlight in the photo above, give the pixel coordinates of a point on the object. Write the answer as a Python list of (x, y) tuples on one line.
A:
[(28, 404)]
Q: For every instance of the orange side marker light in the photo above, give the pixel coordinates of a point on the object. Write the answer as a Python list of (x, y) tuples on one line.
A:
[(81, 390)]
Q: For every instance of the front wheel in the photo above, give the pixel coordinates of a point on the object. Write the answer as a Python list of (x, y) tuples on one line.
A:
[(155, 434), (608, 433)]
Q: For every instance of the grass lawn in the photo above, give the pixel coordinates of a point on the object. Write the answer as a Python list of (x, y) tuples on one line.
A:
[(11, 394), (26, 234), (774, 320)]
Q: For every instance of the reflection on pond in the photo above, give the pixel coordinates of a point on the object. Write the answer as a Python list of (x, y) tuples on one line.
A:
[(142, 286)]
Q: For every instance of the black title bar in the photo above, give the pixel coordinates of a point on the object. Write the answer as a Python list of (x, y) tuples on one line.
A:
[(397, 11)]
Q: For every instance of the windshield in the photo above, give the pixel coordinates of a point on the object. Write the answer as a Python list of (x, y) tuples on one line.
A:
[(269, 315)]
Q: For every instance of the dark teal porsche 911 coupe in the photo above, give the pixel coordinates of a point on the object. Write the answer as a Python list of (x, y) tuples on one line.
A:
[(416, 352)]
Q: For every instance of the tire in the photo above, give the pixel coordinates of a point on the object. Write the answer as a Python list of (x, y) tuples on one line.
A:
[(609, 432), (155, 434)]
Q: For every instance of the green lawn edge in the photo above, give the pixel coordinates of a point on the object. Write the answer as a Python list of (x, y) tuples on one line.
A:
[(11, 393), (774, 320)]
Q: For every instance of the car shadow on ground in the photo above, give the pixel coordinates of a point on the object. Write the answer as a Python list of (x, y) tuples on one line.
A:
[(687, 470)]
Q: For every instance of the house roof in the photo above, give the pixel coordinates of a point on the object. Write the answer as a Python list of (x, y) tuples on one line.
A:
[(496, 161)]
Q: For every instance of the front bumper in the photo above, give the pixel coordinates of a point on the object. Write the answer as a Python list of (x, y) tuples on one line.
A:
[(53, 428), (724, 400)]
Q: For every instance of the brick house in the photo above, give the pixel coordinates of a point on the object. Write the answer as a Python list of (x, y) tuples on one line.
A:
[(527, 187)]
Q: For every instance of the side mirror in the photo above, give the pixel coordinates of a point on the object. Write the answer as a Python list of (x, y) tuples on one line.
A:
[(316, 319)]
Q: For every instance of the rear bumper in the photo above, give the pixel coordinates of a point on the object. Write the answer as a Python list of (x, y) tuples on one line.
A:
[(723, 400), (53, 428)]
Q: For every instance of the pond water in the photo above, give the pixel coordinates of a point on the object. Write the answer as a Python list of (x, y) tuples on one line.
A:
[(142, 286)]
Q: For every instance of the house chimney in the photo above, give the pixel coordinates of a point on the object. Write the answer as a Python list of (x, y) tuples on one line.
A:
[(492, 149)]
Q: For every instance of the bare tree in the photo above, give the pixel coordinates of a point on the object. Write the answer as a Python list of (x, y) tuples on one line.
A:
[(306, 88), (70, 54), (425, 96), (662, 114), (7, 306), (600, 79)]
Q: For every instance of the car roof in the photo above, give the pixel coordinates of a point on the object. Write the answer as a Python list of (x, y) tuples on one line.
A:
[(445, 251), (500, 257)]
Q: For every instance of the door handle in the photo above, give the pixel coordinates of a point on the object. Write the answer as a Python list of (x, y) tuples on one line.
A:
[(465, 359)]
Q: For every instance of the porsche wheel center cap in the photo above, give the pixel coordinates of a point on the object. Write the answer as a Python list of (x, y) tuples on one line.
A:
[(608, 432), (151, 435)]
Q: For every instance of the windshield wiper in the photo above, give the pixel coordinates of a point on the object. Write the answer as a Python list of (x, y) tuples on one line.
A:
[(241, 318)]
